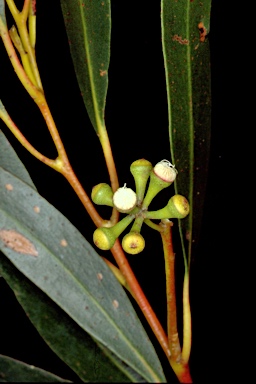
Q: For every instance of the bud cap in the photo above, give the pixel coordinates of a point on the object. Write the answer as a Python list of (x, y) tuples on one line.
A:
[(124, 199), (165, 171)]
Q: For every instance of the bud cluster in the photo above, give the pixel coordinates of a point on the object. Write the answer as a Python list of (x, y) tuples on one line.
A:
[(125, 200)]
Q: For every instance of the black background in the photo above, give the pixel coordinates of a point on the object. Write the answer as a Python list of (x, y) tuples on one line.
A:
[(136, 119)]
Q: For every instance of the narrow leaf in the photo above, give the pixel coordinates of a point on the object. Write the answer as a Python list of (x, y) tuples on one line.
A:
[(59, 331), (74, 346), (185, 25), (14, 371), (69, 271), (88, 26)]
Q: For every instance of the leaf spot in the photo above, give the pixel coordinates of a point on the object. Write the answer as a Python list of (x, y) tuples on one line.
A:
[(9, 187), (103, 72), (188, 235), (180, 40), (36, 209), (100, 276), (115, 304), (202, 31), (17, 242), (63, 243)]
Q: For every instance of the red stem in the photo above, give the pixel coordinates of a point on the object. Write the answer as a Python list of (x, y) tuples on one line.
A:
[(178, 360), (139, 296), (169, 256)]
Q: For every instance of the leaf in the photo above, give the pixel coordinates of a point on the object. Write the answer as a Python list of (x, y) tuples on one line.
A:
[(15, 371), (2, 11), (10, 161), (185, 26), (72, 274), (61, 333), (88, 26)]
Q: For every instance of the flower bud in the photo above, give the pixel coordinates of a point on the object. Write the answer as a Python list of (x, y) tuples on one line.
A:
[(102, 194), (163, 175), (133, 243), (104, 238), (124, 199), (177, 208), (140, 169)]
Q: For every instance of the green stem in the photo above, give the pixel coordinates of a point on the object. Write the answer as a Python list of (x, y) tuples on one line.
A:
[(21, 21), (136, 227), (25, 9), (121, 225), (110, 163), (23, 55), (31, 53), (152, 225), (24, 79), (32, 23), (14, 10), (186, 349)]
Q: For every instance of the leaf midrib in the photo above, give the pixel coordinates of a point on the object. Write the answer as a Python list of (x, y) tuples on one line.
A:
[(191, 153), (90, 70)]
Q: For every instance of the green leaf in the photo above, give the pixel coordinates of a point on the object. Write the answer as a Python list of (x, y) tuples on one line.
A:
[(15, 371), (187, 67), (88, 26), (61, 333), (51, 252), (10, 161)]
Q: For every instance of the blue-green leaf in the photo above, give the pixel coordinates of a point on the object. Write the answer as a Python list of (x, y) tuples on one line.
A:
[(10, 161), (58, 330), (2, 11), (50, 251)]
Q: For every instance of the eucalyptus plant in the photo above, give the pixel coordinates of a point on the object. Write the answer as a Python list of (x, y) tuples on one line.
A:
[(81, 294)]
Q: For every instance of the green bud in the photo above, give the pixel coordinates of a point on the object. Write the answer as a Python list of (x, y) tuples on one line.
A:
[(102, 194), (177, 208), (162, 176), (104, 238), (124, 199), (140, 169), (133, 243)]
